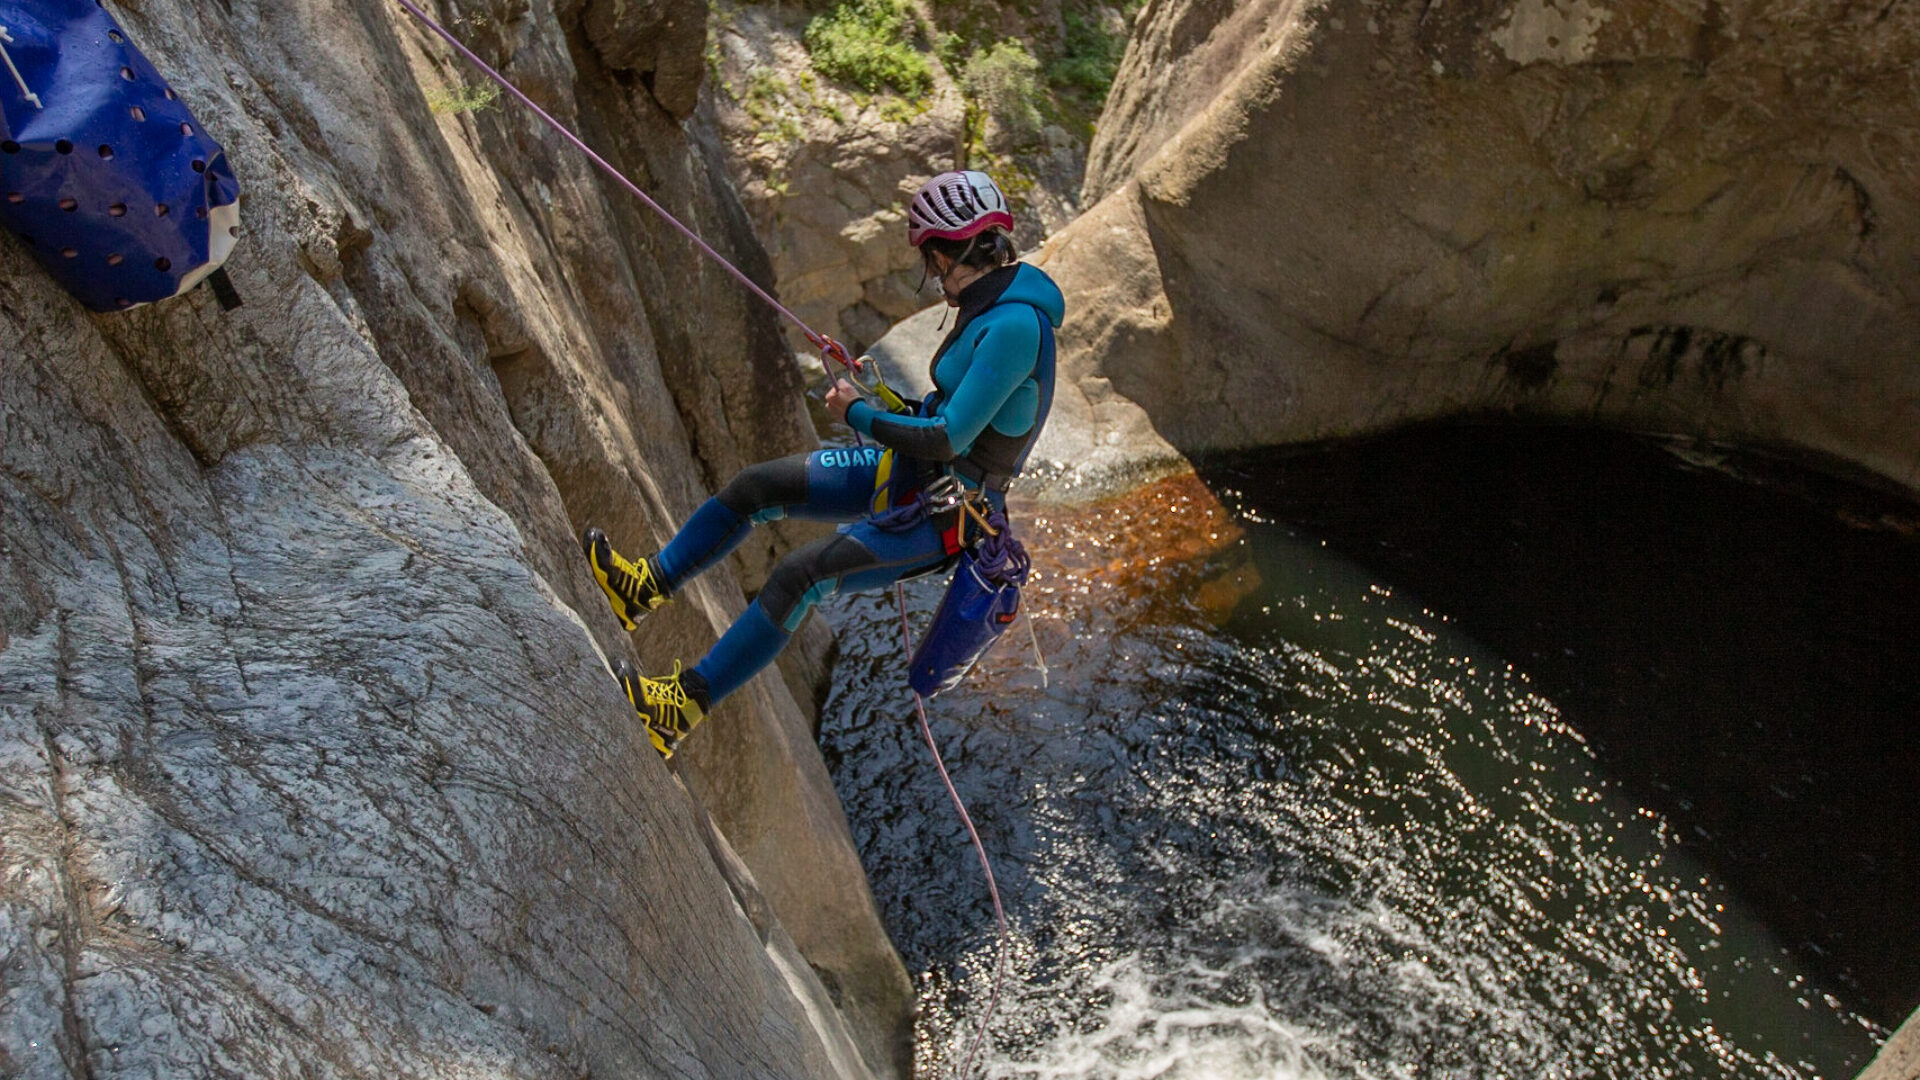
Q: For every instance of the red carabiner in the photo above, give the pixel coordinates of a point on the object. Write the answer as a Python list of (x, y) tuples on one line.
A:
[(833, 350)]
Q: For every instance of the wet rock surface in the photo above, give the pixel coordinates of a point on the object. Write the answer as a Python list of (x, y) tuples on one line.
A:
[(309, 760)]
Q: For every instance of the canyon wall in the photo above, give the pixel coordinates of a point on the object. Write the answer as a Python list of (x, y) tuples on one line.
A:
[(1319, 218), (309, 758), (1313, 219)]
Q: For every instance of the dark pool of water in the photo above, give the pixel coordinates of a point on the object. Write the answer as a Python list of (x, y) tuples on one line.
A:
[(1462, 753)]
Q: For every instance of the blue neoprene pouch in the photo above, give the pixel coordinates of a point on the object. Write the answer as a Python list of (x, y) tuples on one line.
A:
[(104, 173), (971, 617), (982, 600)]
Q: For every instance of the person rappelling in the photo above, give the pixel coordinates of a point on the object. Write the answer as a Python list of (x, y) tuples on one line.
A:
[(935, 484)]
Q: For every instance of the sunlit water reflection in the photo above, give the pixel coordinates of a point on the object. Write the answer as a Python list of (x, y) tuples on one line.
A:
[(1270, 818)]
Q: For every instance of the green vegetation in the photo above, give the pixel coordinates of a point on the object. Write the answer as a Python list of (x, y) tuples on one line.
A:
[(1003, 81), (462, 99), (864, 43), (1089, 57), (950, 48), (881, 55), (901, 111), (765, 92), (767, 102), (1035, 79)]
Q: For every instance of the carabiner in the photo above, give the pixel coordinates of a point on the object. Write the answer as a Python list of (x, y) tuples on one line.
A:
[(943, 493), (878, 388)]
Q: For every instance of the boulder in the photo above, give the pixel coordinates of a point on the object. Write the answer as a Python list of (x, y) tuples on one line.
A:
[(1319, 219)]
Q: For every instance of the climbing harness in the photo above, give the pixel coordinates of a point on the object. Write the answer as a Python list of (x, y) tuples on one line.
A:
[(104, 173), (829, 348)]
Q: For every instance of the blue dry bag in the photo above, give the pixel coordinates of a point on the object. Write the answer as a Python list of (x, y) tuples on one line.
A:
[(982, 600), (103, 171)]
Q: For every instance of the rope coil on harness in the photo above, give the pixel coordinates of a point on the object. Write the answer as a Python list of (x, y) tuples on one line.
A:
[(999, 557), (829, 348)]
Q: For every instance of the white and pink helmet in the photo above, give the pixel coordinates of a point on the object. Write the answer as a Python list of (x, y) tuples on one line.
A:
[(955, 206)]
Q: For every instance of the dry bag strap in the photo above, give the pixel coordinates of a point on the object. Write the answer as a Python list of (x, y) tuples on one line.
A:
[(223, 289)]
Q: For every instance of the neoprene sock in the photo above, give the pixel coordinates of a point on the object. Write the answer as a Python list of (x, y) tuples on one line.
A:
[(708, 536), (696, 688), (750, 644)]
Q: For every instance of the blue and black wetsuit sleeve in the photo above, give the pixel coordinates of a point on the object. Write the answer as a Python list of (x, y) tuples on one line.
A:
[(1003, 358)]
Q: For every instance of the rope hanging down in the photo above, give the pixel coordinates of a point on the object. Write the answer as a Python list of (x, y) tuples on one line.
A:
[(979, 848), (829, 348)]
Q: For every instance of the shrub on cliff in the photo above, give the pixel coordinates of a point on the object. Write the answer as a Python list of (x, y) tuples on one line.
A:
[(864, 42), (462, 99), (1089, 57), (1004, 80)]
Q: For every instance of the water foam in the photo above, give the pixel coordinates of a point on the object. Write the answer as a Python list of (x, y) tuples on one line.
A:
[(1170, 1025)]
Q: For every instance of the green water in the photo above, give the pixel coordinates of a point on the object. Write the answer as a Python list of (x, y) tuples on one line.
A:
[(1337, 833)]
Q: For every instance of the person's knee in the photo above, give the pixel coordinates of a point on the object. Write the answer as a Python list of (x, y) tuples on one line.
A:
[(809, 574), (767, 486), (791, 588)]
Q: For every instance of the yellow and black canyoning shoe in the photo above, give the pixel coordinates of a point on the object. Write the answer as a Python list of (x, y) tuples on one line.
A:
[(669, 712), (631, 587)]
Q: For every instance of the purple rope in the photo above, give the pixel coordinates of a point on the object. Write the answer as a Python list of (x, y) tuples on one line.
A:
[(824, 343), (1001, 559)]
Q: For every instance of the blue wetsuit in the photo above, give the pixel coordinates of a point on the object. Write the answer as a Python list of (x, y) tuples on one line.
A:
[(993, 379)]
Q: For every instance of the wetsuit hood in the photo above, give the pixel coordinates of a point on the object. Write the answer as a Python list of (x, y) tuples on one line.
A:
[(1018, 282), (1031, 285)]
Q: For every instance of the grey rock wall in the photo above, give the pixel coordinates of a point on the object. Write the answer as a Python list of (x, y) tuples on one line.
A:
[(662, 42), (309, 761), (826, 174)]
